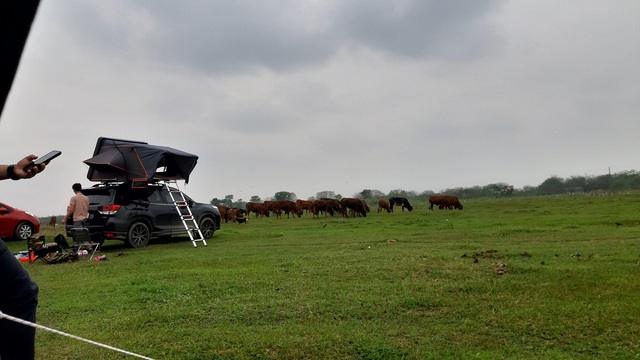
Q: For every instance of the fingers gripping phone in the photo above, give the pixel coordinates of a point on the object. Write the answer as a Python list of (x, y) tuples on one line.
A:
[(43, 159)]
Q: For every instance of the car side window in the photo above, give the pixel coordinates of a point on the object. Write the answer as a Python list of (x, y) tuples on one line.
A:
[(156, 197)]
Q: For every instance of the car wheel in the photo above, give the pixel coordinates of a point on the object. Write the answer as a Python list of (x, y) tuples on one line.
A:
[(138, 235), (24, 231), (207, 227)]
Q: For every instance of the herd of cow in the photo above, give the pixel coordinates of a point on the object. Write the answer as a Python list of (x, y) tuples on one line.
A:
[(345, 207)]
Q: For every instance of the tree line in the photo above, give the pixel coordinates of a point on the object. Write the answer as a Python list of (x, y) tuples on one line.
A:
[(621, 181)]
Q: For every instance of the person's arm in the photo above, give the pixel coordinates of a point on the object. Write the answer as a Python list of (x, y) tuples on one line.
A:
[(69, 212), (17, 172)]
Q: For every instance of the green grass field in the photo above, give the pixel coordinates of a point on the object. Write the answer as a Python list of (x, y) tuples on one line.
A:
[(538, 277)]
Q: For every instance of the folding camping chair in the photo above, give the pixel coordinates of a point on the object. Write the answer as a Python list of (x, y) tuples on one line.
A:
[(82, 241)]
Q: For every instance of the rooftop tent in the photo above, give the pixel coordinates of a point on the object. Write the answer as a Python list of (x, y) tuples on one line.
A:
[(139, 162)]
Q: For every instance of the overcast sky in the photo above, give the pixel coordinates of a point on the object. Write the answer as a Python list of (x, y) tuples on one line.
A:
[(307, 95)]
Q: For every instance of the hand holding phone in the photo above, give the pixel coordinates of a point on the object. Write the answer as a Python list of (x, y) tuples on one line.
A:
[(43, 159)]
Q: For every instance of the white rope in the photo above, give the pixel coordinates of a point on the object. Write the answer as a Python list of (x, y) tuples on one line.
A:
[(23, 322)]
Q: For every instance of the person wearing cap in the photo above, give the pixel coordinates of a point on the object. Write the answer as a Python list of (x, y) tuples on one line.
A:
[(78, 207)]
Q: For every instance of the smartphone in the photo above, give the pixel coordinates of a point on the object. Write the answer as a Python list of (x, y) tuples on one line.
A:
[(43, 159)]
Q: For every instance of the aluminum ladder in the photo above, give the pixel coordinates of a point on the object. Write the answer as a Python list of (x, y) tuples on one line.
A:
[(184, 211)]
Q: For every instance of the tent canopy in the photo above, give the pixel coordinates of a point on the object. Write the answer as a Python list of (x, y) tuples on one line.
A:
[(139, 162)]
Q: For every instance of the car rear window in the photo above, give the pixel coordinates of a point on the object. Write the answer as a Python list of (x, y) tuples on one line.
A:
[(97, 197)]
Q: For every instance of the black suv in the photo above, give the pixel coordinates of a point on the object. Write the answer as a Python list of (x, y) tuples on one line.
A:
[(135, 215)]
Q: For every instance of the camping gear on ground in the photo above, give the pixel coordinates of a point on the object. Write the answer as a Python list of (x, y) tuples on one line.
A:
[(64, 254), (38, 248)]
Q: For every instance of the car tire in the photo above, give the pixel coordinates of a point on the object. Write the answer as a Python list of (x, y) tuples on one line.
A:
[(138, 235), (207, 227), (23, 231)]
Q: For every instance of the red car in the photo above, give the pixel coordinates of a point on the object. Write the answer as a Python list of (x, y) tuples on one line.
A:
[(17, 224)]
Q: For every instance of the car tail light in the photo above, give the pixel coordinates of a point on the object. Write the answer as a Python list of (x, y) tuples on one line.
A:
[(110, 209)]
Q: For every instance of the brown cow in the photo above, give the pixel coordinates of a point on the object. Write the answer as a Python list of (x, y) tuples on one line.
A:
[(327, 206), (357, 206), (289, 207), (256, 208), (52, 221), (445, 202), (366, 206), (383, 205), (224, 212), (273, 207), (233, 214), (305, 205)]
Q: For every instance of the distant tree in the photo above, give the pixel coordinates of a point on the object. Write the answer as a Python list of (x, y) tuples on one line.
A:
[(227, 201), (369, 194), (326, 194), (364, 194), (285, 196), (552, 185), (601, 182), (473, 192), (239, 204), (424, 196), (459, 192), (575, 184), (498, 190), (633, 180), (527, 190), (255, 198), (398, 193), (625, 180)]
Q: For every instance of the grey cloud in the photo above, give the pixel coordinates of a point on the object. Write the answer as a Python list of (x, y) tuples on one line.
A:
[(228, 37), (419, 29)]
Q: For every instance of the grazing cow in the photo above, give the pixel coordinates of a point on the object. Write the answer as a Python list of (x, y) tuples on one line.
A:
[(273, 207), (289, 207), (52, 221), (224, 212), (400, 201), (444, 202), (235, 213), (256, 208), (326, 206), (305, 205), (366, 206), (357, 206), (383, 205)]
